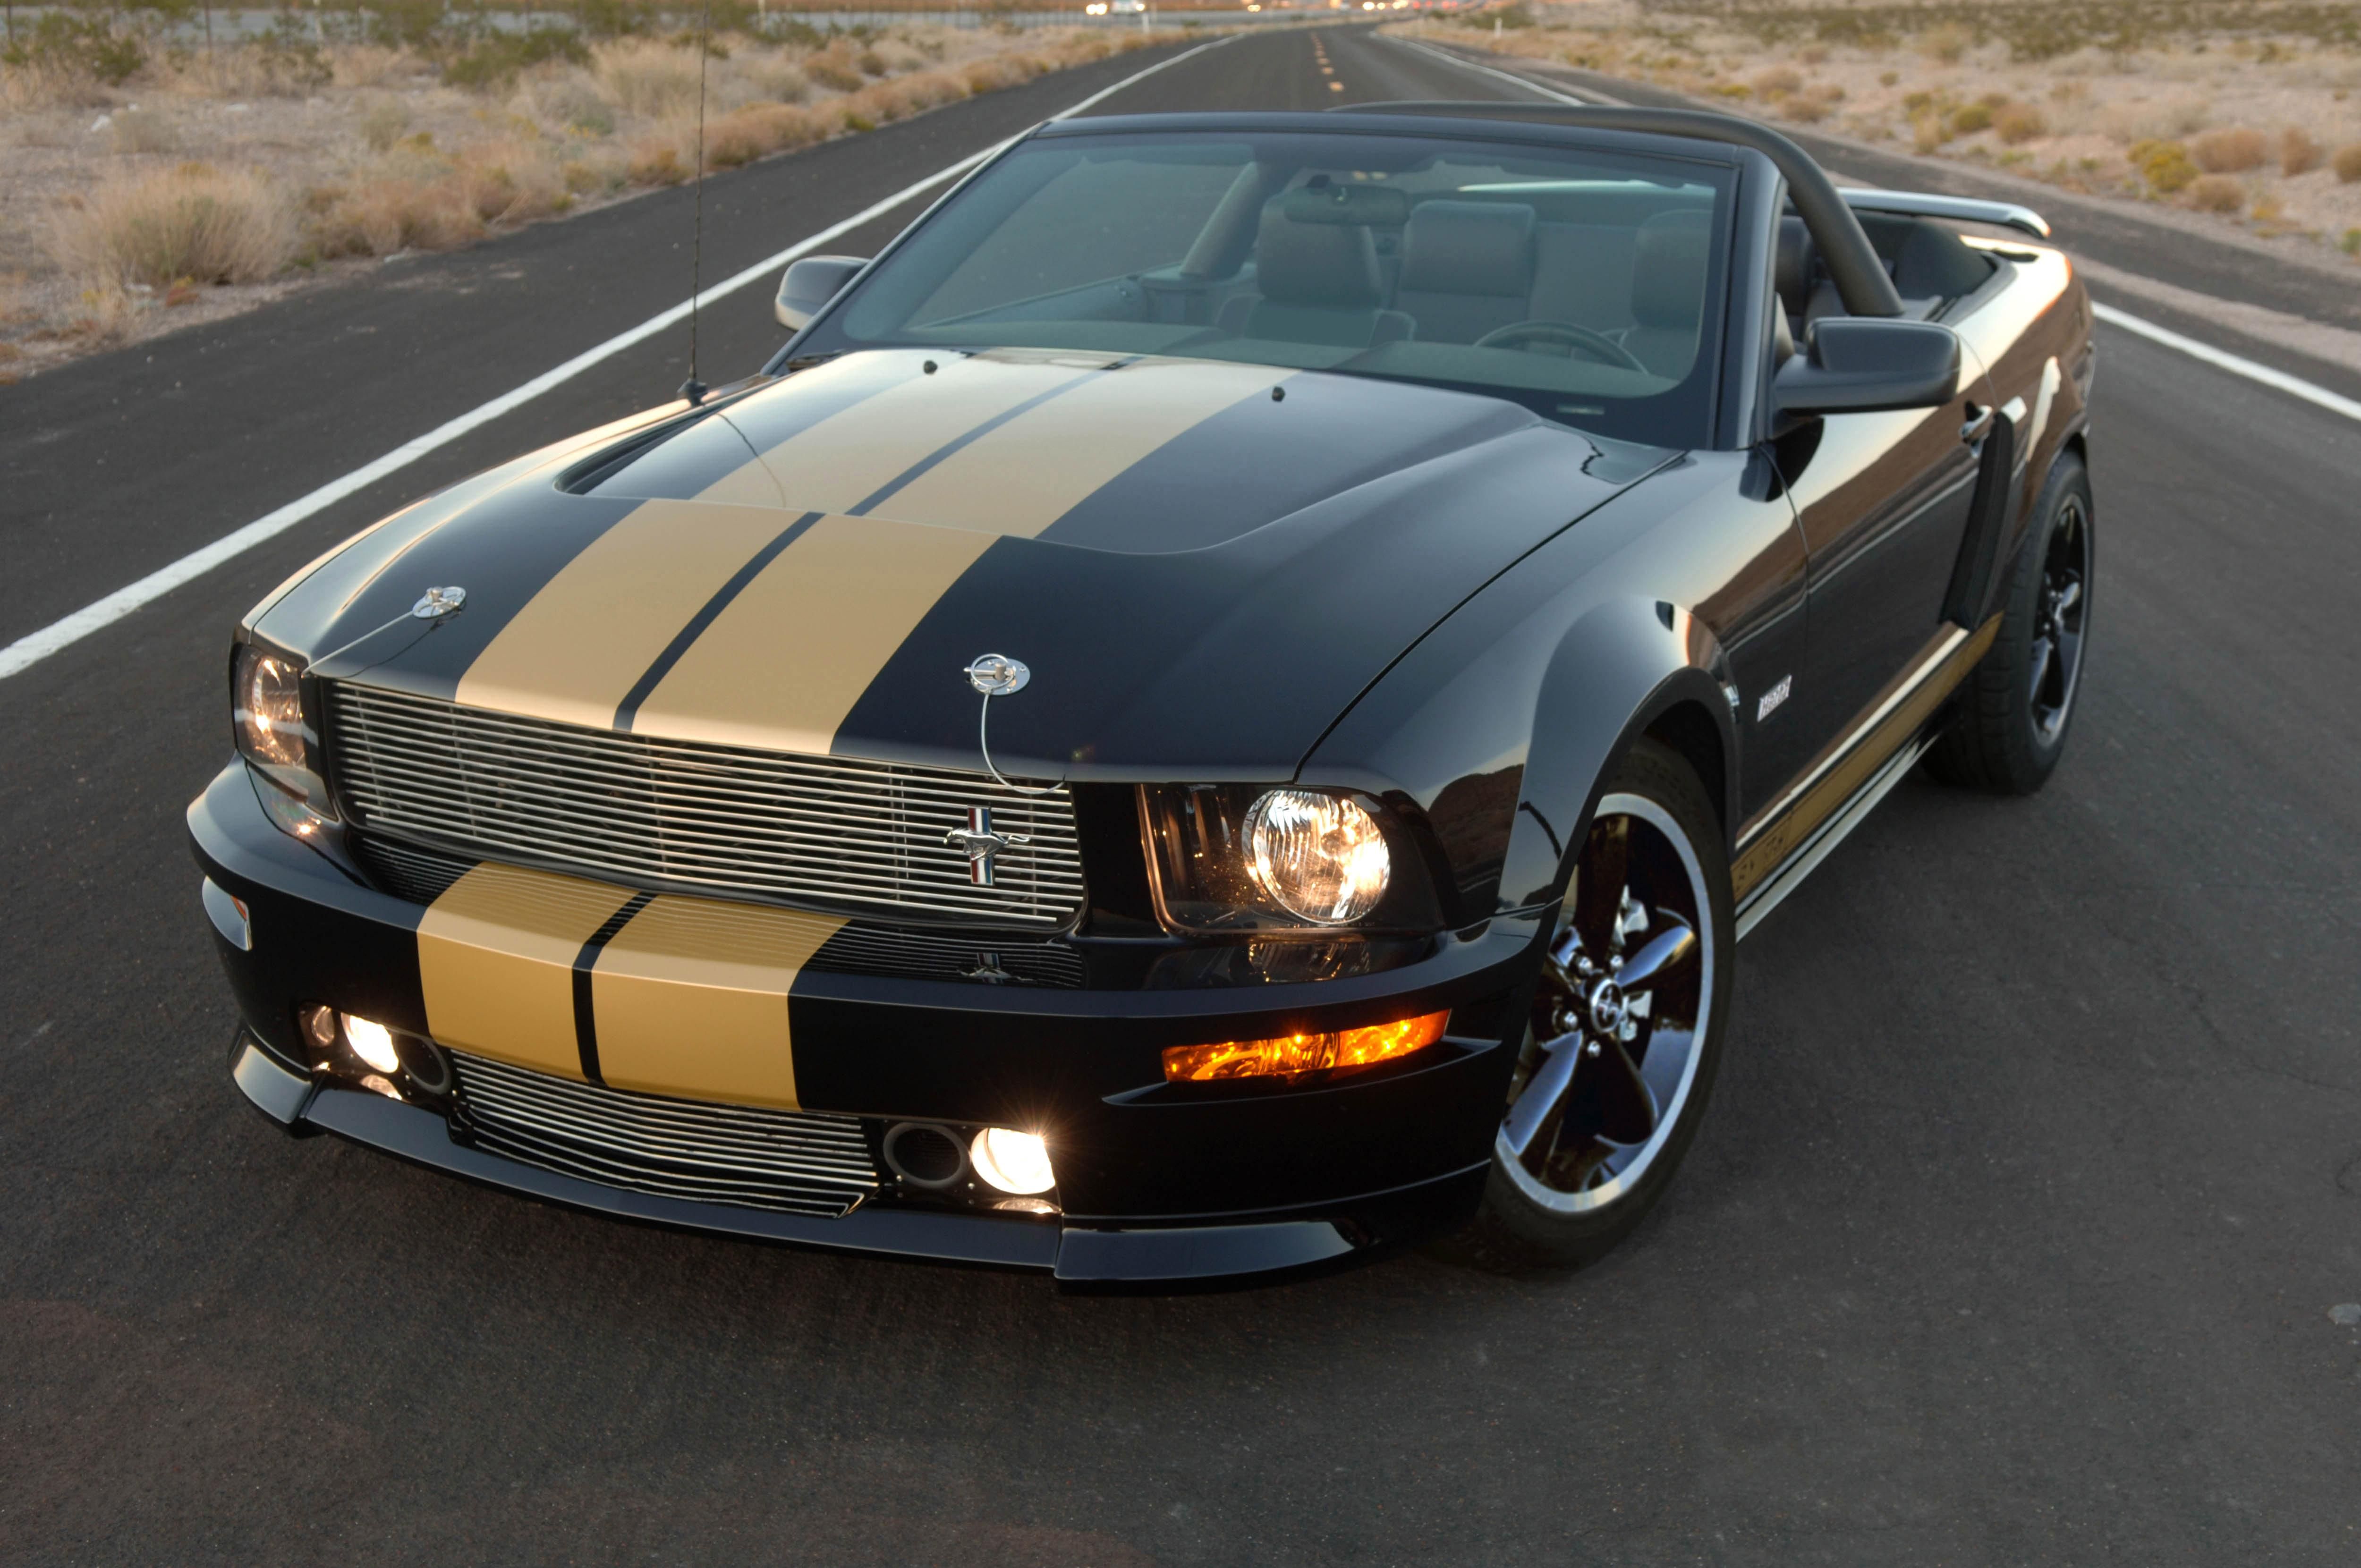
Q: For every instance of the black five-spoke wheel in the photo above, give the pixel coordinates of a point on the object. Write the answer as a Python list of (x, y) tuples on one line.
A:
[(1624, 1029)]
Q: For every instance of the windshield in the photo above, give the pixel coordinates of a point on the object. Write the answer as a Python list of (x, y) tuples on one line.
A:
[(1583, 285)]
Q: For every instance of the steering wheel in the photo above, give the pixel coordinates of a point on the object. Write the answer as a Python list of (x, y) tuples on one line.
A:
[(1572, 339)]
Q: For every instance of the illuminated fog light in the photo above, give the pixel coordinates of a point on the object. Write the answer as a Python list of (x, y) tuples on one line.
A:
[(1319, 856), (373, 1043), (1291, 1055), (1011, 1161)]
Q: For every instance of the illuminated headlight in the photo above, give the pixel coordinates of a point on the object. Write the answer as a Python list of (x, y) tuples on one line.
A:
[(1011, 1161), (1319, 857), (269, 709)]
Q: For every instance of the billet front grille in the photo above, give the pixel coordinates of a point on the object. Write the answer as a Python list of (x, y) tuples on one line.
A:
[(727, 821), (797, 1162), (404, 870), (1016, 957)]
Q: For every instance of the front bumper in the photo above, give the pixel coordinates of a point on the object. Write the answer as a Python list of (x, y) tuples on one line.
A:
[(1155, 1181)]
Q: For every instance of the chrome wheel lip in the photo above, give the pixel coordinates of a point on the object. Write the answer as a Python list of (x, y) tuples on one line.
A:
[(1592, 1199), (2065, 645)]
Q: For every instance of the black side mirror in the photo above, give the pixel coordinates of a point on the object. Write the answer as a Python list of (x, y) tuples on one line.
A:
[(1865, 365), (811, 284)]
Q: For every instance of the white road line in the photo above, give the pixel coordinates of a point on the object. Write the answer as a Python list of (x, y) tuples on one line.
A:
[(35, 646), (2294, 386), (1509, 77)]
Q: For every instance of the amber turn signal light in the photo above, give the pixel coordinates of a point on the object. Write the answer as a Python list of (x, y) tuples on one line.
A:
[(1294, 1054)]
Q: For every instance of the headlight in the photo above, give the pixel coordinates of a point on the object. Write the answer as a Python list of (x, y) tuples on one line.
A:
[(269, 709), (1249, 861), (1317, 856), (267, 719)]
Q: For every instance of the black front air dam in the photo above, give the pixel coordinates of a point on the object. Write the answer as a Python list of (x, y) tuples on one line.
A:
[(1250, 1247)]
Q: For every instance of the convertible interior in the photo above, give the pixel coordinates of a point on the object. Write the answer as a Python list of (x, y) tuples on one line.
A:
[(1586, 286)]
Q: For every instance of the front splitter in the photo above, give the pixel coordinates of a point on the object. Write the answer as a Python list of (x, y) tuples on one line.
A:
[(1107, 1253)]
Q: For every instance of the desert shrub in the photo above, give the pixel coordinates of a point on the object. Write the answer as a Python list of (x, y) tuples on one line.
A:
[(369, 65), (1805, 111), (1927, 133), (1968, 118), (1888, 78), (832, 71), (872, 63), (775, 81), (2351, 242), (496, 57), (510, 181), (2019, 123), (382, 121), (758, 131), (380, 216), (1948, 43), (189, 222), (2165, 165), (2217, 194), (1778, 81), (2299, 154), (645, 77), (86, 45), (569, 100), (656, 162), (2348, 163), (2232, 150), (141, 130)]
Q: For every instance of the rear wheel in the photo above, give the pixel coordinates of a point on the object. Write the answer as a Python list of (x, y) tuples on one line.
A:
[(1625, 1031), (2016, 707)]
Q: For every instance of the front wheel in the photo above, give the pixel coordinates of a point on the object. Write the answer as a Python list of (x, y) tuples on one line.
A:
[(1626, 1027)]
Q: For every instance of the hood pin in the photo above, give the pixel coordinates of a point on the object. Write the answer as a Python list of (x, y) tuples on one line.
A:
[(439, 602), (997, 674)]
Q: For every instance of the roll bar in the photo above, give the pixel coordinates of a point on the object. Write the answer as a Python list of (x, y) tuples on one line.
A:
[(1845, 250)]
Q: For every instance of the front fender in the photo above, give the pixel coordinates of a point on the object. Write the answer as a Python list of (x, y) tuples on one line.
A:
[(1498, 730)]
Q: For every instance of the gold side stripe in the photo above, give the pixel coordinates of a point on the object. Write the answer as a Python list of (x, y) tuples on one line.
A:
[(577, 647), (495, 960), (1895, 721), (1025, 476), (691, 1000), (783, 664)]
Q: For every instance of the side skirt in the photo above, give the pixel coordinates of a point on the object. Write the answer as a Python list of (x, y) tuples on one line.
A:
[(1784, 849)]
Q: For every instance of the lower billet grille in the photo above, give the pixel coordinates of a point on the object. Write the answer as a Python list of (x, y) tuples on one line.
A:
[(796, 1162)]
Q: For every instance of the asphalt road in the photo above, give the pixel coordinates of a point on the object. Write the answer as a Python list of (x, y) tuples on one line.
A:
[(2011, 1237)]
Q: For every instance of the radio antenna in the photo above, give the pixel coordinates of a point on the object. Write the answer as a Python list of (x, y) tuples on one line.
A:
[(693, 389)]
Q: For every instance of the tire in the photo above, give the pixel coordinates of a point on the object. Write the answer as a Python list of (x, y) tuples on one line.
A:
[(2015, 710), (1612, 1083)]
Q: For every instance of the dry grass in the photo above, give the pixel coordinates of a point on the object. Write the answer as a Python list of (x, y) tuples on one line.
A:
[(2348, 164), (2218, 193), (643, 77), (213, 225), (2299, 154), (141, 130), (2020, 123), (2229, 151)]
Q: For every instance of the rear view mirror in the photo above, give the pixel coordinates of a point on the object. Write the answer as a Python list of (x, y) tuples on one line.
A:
[(812, 283), (1865, 365)]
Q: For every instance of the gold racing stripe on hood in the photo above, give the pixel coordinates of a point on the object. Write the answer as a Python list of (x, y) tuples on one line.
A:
[(496, 955), (1031, 471), (576, 648), (784, 664), (691, 1000), (857, 452)]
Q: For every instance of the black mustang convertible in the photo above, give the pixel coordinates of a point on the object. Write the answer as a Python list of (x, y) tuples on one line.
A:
[(1223, 704)]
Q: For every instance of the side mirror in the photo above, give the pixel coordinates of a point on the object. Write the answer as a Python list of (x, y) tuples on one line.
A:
[(811, 284), (1866, 365)]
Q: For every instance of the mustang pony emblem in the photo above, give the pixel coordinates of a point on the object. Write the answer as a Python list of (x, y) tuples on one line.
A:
[(981, 843)]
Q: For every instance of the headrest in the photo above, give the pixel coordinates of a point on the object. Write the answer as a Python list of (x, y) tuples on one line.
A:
[(1333, 266), (1668, 269), (1468, 248), (1793, 275)]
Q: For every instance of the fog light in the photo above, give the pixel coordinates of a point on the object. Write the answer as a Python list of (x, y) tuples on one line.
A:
[(1291, 1056), (373, 1043), (1013, 1161)]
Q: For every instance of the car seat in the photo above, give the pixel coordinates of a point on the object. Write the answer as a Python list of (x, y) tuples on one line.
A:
[(1467, 269), (1317, 283)]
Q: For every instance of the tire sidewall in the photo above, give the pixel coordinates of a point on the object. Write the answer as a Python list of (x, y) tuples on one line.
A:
[(1510, 1229), (2035, 755)]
